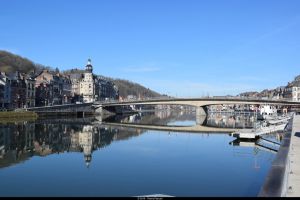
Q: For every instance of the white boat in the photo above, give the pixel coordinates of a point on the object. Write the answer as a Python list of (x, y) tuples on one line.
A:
[(267, 126), (267, 112)]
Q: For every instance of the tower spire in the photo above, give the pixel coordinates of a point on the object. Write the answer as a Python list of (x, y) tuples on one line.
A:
[(89, 67)]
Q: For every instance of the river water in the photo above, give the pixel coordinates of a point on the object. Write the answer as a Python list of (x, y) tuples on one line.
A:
[(99, 157)]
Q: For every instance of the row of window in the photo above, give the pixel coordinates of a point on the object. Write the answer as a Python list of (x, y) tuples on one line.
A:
[(296, 88)]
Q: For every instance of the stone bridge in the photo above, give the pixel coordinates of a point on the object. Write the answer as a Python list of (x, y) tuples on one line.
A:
[(200, 103)]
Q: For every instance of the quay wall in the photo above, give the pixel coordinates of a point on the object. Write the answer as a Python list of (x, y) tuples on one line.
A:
[(12, 116), (281, 177)]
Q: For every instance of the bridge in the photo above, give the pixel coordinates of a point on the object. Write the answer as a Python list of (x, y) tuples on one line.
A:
[(200, 103), (79, 109)]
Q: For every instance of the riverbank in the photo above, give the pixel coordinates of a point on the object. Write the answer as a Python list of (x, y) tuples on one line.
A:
[(12, 116), (293, 173), (283, 178)]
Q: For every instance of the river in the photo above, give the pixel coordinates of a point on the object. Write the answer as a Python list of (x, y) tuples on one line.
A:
[(88, 157)]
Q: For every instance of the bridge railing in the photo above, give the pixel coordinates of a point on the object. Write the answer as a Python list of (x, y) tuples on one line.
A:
[(55, 106), (133, 100), (209, 97)]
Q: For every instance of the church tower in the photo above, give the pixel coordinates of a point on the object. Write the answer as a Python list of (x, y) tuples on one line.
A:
[(87, 84), (89, 67)]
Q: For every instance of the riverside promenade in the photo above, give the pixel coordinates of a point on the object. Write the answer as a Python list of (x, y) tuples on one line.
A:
[(283, 179), (293, 179)]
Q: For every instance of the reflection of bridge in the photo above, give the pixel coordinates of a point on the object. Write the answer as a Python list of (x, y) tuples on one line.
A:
[(193, 129)]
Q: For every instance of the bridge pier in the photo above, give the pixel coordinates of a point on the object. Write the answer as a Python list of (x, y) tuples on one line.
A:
[(201, 110), (201, 115), (98, 110)]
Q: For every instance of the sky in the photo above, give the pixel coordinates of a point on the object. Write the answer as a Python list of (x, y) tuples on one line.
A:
[(182, 48)]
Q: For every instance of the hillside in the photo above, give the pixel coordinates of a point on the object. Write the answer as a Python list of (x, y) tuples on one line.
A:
[(11, 63), (130, 88), (125, 87)]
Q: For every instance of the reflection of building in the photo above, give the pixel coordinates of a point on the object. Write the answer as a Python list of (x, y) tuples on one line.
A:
[(86, 143), (162, 114), (230, 121), (16, 142), (21, 141)]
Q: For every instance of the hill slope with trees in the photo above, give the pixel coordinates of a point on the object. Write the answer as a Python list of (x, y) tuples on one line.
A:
[(10, 62)]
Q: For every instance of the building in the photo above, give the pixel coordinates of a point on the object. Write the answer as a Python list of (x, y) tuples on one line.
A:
[(52, 89), (88, 87), (66, 85), (44, 91), (132, 97), (18, 90), (296, 93), (87, 84), (86, 143), (292, 92), (5, 91), (2, 86), (105, 89), (47, 89), (75, 79), (278, 93), (30, 90), (44, 88), (2, 95)]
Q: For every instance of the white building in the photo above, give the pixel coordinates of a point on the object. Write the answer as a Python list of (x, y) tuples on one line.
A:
[(86, 143), (295, 93), (87, 84)]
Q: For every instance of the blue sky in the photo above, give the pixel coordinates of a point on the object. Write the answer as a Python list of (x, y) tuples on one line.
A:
[(184, 48)]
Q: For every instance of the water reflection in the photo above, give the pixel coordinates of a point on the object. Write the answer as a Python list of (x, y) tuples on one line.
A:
[(231, 120), (164, 117), (20, 141), (188, 118), (122, 161)]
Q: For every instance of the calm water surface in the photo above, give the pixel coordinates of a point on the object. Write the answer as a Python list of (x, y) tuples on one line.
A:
[(84, 157)]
